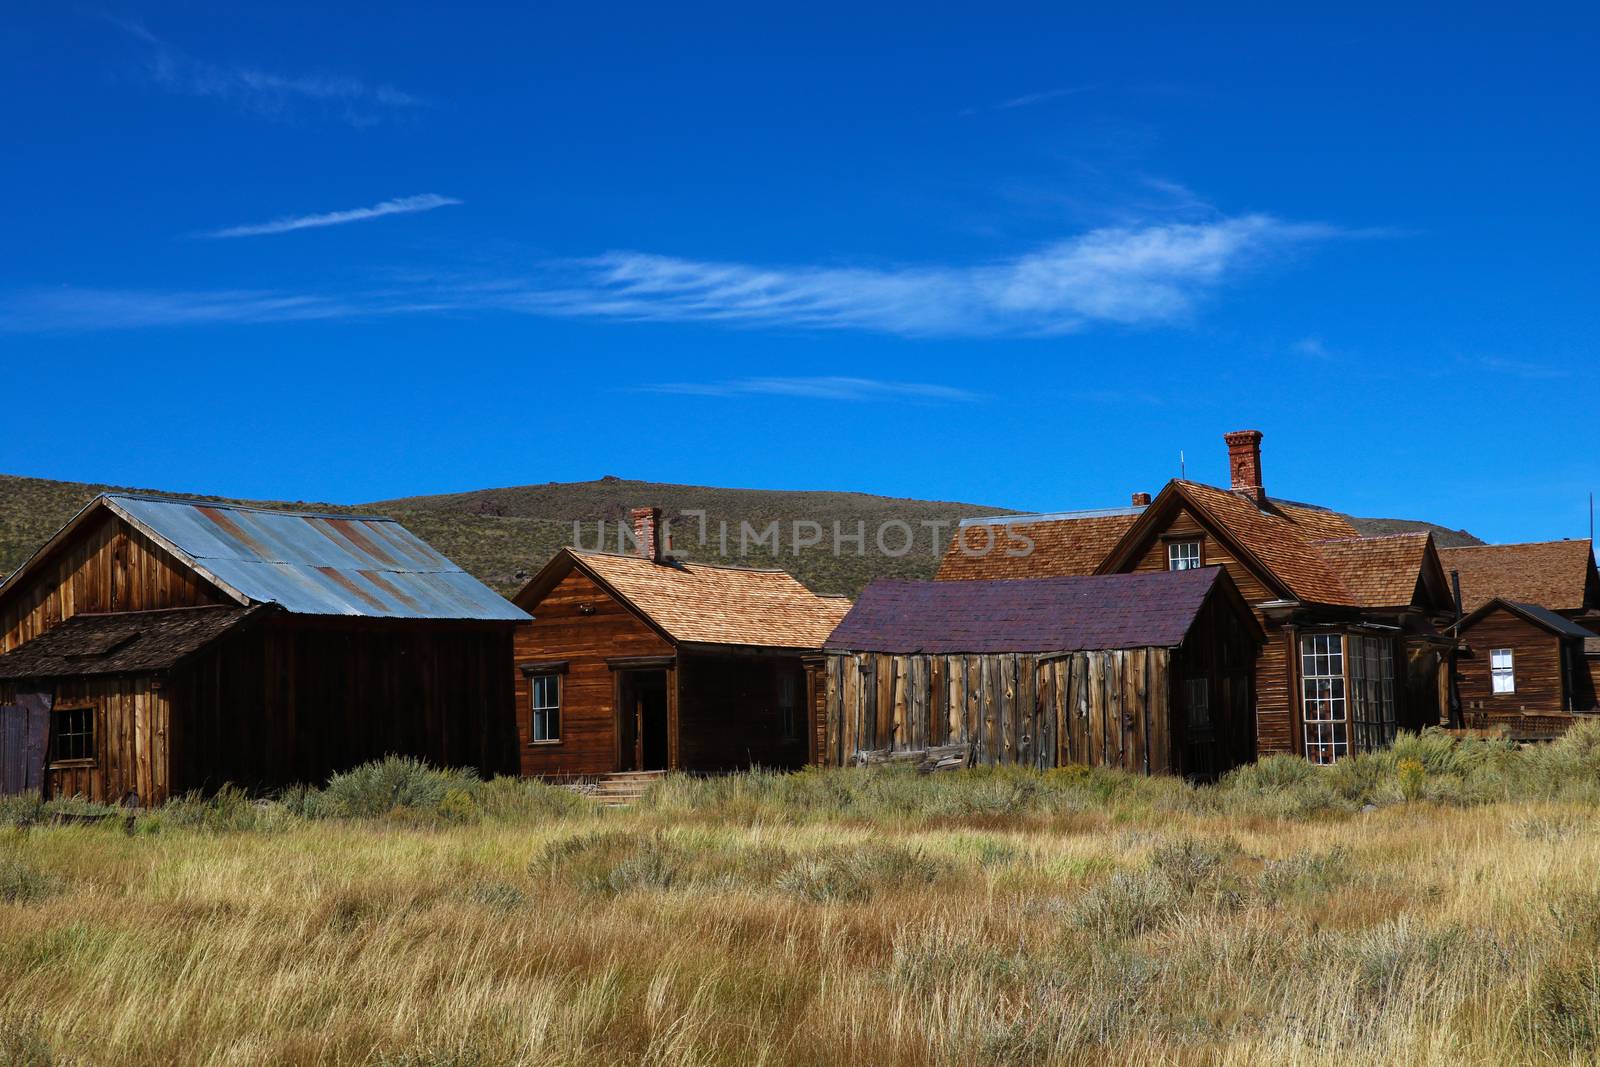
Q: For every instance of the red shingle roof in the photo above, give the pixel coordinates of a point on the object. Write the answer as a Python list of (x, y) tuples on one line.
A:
[(1061, 546), (1557, 574), (1379, 572)]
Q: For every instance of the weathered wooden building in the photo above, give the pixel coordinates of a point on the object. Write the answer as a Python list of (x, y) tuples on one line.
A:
[(1556, 586), (1523, 670), (1150, 673), (1354, 649), (155, 646), (642, 662)]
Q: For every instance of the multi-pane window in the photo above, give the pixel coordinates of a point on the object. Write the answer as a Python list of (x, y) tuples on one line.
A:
[(789, 705), (1183, 555), (546, 720), (71, 735), (1372, 684), (1502, 670), (1323, 704), (1197, 697)]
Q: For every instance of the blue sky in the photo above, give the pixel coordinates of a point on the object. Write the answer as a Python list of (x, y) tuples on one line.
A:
[(1000, 254)]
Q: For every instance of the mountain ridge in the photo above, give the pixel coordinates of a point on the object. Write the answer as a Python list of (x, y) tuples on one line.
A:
[(503, 535)]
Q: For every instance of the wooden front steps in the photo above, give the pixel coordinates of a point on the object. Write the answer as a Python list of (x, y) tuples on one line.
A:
[(621, 788)]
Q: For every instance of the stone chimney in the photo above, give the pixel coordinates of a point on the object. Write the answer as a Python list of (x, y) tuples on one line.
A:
[(1244, 464), (647, 532), (1141, 500)]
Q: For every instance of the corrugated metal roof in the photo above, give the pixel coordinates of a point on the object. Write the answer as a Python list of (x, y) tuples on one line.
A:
[(314, 564)]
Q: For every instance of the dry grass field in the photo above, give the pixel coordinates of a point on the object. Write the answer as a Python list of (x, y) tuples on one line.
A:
[(1439, 904)]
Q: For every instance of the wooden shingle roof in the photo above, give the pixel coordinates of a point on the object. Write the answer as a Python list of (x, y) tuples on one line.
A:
[(1282, 537), (702, 603), (128, 642), (1560, 575), (1378, 572), (1062, 546)]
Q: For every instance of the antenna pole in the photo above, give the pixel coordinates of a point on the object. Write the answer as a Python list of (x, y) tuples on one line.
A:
[(1181, 474)]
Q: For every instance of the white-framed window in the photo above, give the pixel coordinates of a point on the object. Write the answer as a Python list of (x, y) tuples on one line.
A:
[(789, 705), (1197, 700), (1183, 555), (1503, 670), (545, 721), (1372, 686), (1324, 709)]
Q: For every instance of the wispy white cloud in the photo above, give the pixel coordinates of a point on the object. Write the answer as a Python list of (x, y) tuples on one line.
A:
[(1522, 368), (823, 388), (261, 92), (404, 205), (74, 309), (1312, 348), (1029, 99), (1126, 276)]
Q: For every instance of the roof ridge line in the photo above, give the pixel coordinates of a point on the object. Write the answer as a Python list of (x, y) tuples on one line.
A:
[(200, 502)]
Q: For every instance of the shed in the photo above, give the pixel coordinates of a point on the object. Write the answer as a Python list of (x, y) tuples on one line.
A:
[(644, 662), (1525, 669), (1149, 672), (155, 646)]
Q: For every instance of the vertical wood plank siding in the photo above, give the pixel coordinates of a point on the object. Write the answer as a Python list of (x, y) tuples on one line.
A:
[(1108, 709), (108, 566)]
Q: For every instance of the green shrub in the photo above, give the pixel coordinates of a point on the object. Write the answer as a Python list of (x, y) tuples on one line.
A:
[(379, 787), (1411, 774), (229, 810), (21, 809), (20, 883)]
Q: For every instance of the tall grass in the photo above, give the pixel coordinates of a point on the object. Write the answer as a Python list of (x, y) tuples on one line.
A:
[(403, 915)]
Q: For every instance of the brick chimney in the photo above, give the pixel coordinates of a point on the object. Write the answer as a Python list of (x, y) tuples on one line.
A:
[(647, 532), (1141, 500), (1244, 463)]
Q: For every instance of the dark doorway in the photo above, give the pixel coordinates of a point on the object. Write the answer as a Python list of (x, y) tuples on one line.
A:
[(642, 721)]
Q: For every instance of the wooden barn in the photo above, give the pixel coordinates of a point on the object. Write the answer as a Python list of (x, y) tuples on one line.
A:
[(155, 646), (1151, 673), (1524, 669), (645, 663), (1355, 648)]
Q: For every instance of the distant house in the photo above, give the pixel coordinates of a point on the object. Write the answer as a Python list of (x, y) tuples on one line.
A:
[(643, 662), (1353, 649), (155, 646), (1531, 634), (1151, 673)]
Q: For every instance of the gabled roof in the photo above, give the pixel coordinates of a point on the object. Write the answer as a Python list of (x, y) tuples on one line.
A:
[(702, 603), (1382, 572), (305, 563), (1558, 574), (1068, 614), (1274, 540), (127, 642), (1071, 543), (1542, 617)]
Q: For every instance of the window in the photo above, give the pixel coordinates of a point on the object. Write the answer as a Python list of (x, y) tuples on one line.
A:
[(72, 735), (1323, 710), (1197, 693), (1372, 686), (546, 722), (1183, 555), (789, 705), (1502, 671)]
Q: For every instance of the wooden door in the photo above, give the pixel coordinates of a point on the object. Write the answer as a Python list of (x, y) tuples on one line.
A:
[(24, 736)]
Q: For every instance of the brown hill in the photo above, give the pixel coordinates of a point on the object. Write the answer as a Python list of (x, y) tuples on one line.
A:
[(503, 535)]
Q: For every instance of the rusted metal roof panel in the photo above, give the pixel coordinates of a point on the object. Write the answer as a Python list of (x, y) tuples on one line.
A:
[(315, 564)]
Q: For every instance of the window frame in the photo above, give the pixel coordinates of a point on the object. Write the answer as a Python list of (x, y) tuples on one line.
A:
[(1200, 684), (1331, 693), (1373, 712), (1508, 672), (57, 714), (1198, 556), (535, 678), (789, 715)]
